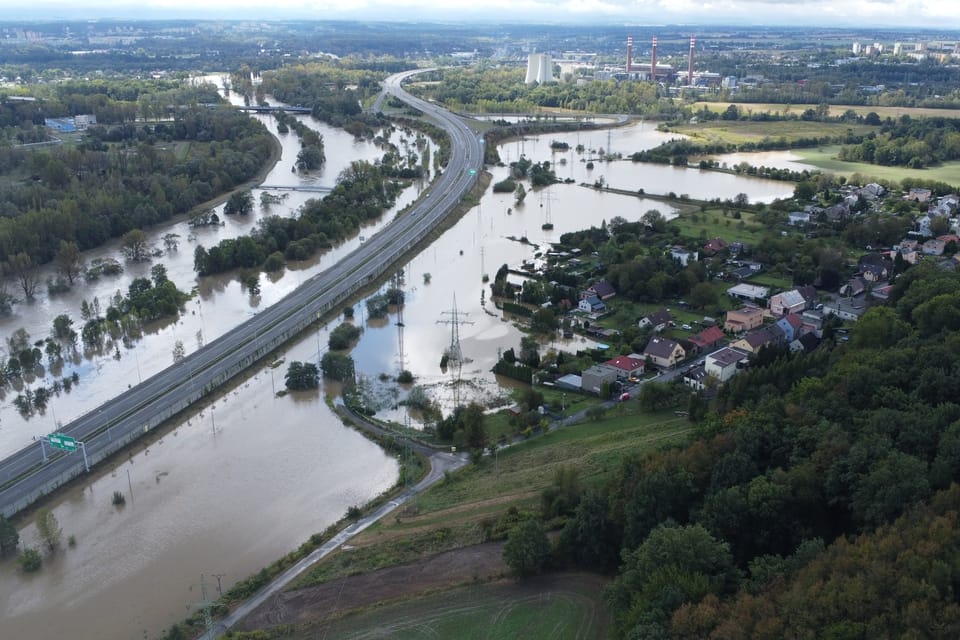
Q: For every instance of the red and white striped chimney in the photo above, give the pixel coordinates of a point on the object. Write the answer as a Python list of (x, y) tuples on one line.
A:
[(653, 61), (693, 42), (629, 53)]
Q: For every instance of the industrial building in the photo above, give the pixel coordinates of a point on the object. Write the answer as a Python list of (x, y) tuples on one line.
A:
[(539, 68)]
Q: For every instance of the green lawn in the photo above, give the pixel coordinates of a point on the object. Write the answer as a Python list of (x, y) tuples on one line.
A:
[(565, 607), (768, 280), (704, 225), (825, 158), (835, 110)]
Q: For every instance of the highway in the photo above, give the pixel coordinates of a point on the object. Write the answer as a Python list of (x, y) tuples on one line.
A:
[(24, 477)]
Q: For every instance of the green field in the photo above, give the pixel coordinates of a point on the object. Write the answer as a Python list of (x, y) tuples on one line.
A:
[(826, 158), (565, 607), (713, 224), (769, 280), (450, 514), (744, 131), (835, 110)]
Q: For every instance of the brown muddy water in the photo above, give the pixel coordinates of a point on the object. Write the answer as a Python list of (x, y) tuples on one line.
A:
[(251, 476)]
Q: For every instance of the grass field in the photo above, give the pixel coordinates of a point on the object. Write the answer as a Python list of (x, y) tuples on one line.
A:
[(742, 131), (713, 224), (826, 158), (835, 110), (768, 280), (567, 607), (452, 513)]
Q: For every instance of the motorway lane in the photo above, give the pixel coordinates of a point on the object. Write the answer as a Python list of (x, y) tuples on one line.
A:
[(23, 474)]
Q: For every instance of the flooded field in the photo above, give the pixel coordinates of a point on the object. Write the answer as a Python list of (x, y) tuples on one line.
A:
[(250, 476)]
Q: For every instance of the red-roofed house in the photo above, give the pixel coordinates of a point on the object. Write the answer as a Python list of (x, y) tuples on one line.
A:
[(707, 339), (627, 366), (715, 246)]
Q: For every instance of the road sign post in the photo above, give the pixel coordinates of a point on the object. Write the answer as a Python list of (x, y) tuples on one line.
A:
[(61, 441)]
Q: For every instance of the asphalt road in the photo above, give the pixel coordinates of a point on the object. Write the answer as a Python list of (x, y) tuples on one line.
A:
[(24, 477)]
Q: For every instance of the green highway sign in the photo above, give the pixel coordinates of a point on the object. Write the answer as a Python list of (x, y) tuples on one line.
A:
[(61, 441)]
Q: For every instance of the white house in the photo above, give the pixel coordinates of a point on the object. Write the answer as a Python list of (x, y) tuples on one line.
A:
[(722, 364)]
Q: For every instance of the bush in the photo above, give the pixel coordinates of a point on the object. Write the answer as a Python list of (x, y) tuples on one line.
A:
[(30, 560), (119, 499), (343, 336), (405, 377), (527, 548)]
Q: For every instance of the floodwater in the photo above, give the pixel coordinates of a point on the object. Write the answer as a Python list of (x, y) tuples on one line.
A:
[(775, 159), (251, 476)]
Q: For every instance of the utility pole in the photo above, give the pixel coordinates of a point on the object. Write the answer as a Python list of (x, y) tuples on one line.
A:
[(454, 352)]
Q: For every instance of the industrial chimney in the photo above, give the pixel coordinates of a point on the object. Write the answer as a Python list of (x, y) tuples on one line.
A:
[(690, 67), (653, 61), (629, 53)]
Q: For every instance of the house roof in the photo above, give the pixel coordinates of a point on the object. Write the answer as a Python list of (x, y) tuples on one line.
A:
[(791, 298), (594, 301), (708, 336), (727, 356), (661, 347), (758, 338), (626, 363), (810, 294), (696, 373), (603, 288), (660, 316), (793, 320), (748, 291), (746, 311), (717, 244)]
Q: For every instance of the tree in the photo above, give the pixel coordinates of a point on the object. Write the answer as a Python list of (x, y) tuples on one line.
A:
[(134, 245), (302, 376), (337, 366), (703, 296), (69, 261), (25, 271), (239, 202), (527, 548), (48, 528), (9, 538), (30, 560), (179, 352), (171, 241)]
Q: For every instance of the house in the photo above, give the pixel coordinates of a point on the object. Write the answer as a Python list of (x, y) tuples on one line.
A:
[(696, 377), (854, 287), (722, 364), (787, 302), (934, 247), (919, 195), (740, 273), (683, 256), (569, 382), (659, 320), (714, 247), (846, 308), (593, 379), (707, 339), (750, 292), (592, 304), (743, 319), (875, 266), (602, 289), (627, 366), (806, 343), (791, 325), (664, 353), (798, 218), (756, 340)]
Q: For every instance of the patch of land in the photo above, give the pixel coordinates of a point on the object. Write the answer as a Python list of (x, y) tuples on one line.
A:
[(835, 110), (750, 131), (825, 158), (553, 607)]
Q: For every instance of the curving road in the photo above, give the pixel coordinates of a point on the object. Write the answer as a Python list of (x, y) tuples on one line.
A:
[(25, 477)]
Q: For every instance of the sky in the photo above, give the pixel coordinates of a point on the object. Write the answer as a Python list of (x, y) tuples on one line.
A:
[(932, 14)]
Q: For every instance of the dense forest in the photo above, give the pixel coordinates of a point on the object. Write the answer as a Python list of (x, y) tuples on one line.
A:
[(915, 143), (751, 529), (123, 177)]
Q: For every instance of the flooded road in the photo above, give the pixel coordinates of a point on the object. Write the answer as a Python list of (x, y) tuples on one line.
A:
[(251, 476)]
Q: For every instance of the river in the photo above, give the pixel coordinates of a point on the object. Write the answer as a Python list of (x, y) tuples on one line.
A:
[(250, 476)]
